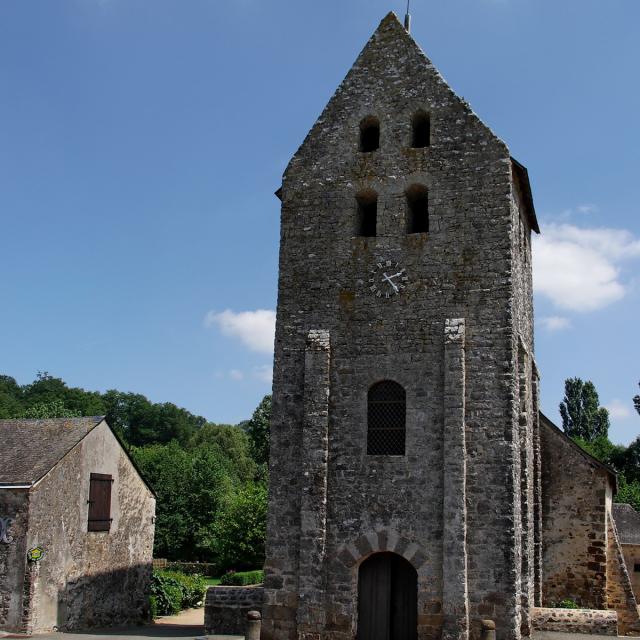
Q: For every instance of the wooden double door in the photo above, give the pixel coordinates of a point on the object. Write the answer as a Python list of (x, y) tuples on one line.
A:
[(387, 598)]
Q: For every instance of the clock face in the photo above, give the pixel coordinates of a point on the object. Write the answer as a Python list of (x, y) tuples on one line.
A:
[(387, 279)]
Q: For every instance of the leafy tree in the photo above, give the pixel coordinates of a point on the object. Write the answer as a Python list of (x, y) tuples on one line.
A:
[(628, 492), (53, 409), (258, 429), (604, 450), (636, 401), (231, 442), (141, 422), (237, 537), (190, 487), (582, 417), (46, 389), (10, 398)]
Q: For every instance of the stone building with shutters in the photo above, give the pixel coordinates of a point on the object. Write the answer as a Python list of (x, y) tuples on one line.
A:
[(76, 527), (406, 473)]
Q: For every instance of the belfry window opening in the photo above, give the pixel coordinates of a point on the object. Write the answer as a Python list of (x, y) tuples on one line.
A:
[(367, 214), (421, 125), (369, 134), (417, 209)]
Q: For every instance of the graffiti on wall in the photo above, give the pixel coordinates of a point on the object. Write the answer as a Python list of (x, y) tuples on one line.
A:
[(5, 523)]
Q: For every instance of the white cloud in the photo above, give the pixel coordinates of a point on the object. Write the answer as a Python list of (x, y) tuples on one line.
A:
[(555, 323), (587, 208), (577, 268), (255, 329), (619, 410), (236, 374)]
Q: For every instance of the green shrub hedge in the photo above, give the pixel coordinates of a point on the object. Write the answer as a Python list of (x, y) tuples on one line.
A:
[(172, 591), (243, 578)]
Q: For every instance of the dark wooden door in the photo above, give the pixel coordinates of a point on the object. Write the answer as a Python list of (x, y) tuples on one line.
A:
[(387, 598)]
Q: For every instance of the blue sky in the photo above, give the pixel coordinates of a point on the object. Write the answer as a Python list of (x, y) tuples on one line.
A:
[(141, 143)]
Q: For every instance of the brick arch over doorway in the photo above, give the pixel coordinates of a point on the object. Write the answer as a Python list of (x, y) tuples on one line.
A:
[(353, 554)]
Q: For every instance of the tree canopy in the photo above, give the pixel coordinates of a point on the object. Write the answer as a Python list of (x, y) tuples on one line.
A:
[(582, 415), (588, 425)]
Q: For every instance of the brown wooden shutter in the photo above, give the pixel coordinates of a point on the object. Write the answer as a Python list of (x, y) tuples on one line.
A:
[(100, 502)]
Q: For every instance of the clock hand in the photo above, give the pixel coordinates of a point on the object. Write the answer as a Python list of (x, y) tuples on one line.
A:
[(390, 281), (395, 275)]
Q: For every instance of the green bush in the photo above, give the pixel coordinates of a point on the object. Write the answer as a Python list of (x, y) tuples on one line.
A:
[(153, 606), (568, 603), (172, 591), (236, 538), (242, 578)]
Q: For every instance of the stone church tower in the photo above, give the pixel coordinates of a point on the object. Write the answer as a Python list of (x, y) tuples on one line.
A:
[(405, 474)]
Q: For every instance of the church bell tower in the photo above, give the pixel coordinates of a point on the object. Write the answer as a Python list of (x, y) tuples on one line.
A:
[(404, 497)]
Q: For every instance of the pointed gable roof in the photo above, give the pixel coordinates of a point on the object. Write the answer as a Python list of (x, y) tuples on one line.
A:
[(391, 55), (392, 58), (29, 449)]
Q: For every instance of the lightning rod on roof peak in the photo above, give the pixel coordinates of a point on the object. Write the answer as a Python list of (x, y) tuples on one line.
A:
[(407, 18)]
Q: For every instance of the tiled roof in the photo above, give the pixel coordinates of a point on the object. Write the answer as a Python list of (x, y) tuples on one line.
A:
[(627, 521), (31, 448)]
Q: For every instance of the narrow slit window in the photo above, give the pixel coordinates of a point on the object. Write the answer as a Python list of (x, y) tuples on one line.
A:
[(421, 130), (386, 419), (367, 217), (369, 134), (99, 502), (417, 209)]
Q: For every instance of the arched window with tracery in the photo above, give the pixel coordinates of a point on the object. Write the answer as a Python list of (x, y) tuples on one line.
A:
[(386, 419)]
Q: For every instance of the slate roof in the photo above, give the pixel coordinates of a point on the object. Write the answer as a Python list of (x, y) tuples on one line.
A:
[(31, 448), (627, 521)]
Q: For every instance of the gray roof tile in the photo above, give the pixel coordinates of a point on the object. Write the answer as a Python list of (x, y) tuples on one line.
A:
[(31, 448), (627, 521)]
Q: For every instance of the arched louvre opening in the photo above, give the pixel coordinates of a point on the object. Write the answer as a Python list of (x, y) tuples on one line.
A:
[(367, 214), (421, 126), (417, 209), (386, 419)]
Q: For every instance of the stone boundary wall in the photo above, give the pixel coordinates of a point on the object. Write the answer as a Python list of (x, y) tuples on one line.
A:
[(226, 608), (590, 621)]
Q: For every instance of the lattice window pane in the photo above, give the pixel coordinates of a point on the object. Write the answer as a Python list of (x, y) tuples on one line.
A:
[(386, 419)]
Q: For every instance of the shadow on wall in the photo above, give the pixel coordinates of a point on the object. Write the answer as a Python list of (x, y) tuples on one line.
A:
[(113, 598)]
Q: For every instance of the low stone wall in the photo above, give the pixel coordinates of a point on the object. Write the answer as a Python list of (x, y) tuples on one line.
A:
[(590, 621), (226, 608)]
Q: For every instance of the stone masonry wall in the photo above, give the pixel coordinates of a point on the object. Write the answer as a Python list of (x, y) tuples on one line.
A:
[(91, 578), (462, 268), (585, 621), (631, 554), (226, 608), (14, 505), (574, 523)]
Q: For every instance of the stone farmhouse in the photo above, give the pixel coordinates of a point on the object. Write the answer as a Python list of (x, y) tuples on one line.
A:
[(415, 490), (76, 527)]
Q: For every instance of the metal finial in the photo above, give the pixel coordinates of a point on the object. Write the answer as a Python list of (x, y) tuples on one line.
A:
[(407, 18)]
